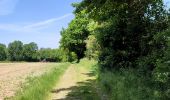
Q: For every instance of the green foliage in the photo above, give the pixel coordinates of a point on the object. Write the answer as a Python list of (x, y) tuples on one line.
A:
[(68, 56), (132, 36), (126, 31), (162, 80), (15, 51), (155, 85), (73, 38), (30, 52), (92, 47), (73, 56), (52, 55), (3, 53), (161, 74)]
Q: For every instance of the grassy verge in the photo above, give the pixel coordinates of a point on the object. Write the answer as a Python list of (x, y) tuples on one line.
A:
[(38, 88), (126, 85)]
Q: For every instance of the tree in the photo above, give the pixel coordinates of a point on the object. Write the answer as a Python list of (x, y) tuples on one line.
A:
[(132, 36), (128, 31), (30, 51), (2, 52), (73, 38), (15, 51), (52, 55)]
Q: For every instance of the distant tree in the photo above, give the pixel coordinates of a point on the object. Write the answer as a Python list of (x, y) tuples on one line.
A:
[(15, 51), (44, 53), (51, 55), (30, 52), (3, 54)]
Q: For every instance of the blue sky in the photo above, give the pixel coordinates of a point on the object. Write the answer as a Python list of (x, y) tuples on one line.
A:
[(37, 21)]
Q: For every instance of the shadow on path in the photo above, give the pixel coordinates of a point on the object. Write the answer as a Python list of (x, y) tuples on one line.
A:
[(85, 90)]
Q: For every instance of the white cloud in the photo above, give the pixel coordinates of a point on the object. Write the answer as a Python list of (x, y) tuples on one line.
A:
[(47, 22), (7, 6), (44, 33), (33, 28)]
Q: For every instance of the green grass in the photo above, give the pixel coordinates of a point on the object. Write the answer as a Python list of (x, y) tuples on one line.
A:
[(38, 88), (115, 85), (126, 85)]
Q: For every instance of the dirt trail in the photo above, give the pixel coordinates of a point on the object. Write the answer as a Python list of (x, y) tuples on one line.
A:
[(71, 78)]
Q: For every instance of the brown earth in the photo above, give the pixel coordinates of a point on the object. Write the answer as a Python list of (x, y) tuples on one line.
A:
[(13, 75)]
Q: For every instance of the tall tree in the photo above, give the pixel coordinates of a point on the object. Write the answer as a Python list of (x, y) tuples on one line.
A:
[(128, 30), (2, 52), (73, 38), (30, 51), (15, 51)]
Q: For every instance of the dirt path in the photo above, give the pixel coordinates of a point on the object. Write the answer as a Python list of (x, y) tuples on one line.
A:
[(13, 75), (72, 84)]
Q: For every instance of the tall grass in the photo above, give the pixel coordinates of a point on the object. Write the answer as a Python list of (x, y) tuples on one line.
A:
[(38, 88), (126, 85)]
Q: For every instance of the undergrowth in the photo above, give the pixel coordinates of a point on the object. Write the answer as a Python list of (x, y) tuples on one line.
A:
[(129, 85)]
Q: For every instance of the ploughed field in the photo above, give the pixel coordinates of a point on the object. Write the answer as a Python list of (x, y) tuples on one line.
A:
[(14, 75)]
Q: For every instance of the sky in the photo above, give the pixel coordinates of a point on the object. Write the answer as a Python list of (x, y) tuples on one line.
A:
[(38, 21)]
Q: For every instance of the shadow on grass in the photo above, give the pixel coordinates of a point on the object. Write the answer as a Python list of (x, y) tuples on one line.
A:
[(85, 90)]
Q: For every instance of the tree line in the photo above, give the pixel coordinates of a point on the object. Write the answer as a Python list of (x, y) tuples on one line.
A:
[(123, 35), (17, 51)]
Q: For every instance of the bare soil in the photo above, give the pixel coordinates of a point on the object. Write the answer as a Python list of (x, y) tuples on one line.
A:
[(13, 75)]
